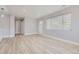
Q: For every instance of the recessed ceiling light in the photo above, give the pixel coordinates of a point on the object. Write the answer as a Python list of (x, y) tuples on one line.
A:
[(2, 16)]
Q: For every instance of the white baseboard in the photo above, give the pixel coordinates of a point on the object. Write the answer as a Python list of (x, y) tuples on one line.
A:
[(0, 39), (6, 36), (11, 36), (57, 38), (30, 33)]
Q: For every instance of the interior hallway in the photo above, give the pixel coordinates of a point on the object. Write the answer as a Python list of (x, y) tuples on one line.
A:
[(34, 44)]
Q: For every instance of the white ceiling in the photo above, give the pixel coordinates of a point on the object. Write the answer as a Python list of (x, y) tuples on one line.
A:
[(32, 11)]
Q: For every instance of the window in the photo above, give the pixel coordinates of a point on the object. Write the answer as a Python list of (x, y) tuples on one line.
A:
[(48, 23), (67, 21), (59, 22)]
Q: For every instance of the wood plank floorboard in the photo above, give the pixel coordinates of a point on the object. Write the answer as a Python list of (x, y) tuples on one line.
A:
[(36, 44)]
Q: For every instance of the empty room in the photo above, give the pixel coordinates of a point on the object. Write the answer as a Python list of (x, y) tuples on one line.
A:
[(39, 29)]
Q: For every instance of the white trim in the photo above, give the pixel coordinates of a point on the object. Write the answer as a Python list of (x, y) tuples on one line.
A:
[(57, 38), (30, 33), (12, 36), (7, 37), (0, 39)]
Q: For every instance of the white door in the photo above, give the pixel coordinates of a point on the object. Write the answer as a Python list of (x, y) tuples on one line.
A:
[(41, 27)]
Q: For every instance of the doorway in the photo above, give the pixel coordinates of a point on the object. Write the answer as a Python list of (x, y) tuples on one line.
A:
[(19, 27)]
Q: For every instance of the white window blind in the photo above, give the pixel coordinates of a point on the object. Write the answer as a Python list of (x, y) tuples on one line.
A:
[(67, 21), (59, 22)]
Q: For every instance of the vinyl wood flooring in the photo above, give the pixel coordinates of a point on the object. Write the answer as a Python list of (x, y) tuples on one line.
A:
[(36, 44)]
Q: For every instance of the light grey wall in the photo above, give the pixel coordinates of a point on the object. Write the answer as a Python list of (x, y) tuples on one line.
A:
[(30, 26), (73, 34), (4, 26), (7, 26)]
